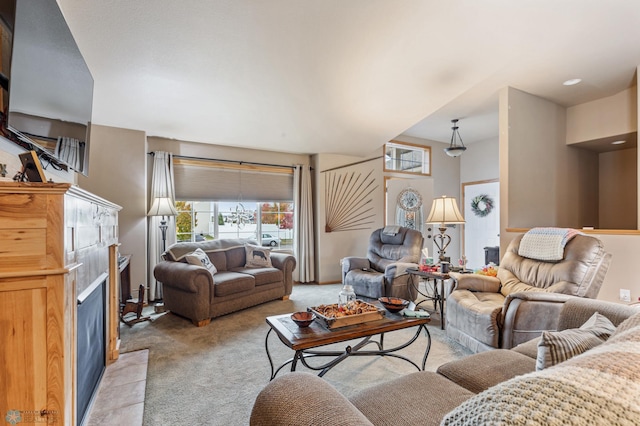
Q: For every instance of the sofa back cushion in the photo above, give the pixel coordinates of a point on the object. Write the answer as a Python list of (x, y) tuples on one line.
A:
[(403, 246), (599, 386), (225, 254), (580, 273)]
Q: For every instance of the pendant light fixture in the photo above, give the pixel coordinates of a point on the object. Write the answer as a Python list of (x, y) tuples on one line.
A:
[(456, 147)]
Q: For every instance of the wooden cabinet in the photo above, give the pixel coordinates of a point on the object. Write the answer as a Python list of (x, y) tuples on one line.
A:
[(55, 241)]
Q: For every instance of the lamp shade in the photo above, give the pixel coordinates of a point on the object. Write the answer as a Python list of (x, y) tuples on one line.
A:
[(445, 210), (162, 206)]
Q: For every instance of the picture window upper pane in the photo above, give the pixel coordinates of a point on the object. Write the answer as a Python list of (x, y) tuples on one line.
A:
[(403, 157)]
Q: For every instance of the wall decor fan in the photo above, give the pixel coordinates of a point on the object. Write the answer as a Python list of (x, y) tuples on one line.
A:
[(348, 201)]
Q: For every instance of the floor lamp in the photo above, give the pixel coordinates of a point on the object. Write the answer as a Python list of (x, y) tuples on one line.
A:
[(162, 206), (444, 211)]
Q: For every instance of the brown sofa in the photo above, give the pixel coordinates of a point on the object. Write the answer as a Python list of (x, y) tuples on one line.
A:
[(192, 292), (499, 386)]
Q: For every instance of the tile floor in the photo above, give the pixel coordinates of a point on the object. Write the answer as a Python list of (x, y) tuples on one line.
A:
[(120, 399)]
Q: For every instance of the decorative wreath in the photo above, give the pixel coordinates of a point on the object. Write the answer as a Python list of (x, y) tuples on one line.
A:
[(482, 205)]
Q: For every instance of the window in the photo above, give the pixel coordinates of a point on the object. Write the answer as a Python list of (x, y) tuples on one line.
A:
[(269, 223), (404, 157)]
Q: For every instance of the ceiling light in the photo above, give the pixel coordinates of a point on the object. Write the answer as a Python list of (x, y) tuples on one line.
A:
[(618, 142), (455, 149), (572, 81)]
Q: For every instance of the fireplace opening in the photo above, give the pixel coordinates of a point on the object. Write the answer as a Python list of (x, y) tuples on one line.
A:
[(91, 348)]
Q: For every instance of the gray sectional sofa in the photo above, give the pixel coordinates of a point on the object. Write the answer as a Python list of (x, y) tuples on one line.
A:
[(501, 386), (193, 292)]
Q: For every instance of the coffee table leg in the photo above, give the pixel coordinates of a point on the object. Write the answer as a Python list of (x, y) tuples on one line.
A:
[(426, 352), (266, 347)]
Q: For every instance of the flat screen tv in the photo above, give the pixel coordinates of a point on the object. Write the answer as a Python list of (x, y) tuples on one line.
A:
[(47, 86)]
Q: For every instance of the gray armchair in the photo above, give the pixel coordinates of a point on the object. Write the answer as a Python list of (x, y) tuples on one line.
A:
[(383, 271), (525, 298)]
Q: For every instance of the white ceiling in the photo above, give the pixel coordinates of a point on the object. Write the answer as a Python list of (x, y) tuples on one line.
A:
[(343, 76)]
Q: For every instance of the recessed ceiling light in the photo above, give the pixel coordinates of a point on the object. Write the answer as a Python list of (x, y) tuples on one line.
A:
[(572, 81), (618, 142)]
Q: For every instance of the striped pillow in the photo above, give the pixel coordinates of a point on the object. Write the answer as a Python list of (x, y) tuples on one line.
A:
[(558, 346)]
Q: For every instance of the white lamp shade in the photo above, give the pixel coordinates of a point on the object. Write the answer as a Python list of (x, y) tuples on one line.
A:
[(445, 210), (162, 206)]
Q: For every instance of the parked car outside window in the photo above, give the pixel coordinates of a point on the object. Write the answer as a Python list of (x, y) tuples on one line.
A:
[(270, 240)]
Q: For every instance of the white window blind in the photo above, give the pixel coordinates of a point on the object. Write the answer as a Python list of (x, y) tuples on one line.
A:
[(200, 180)]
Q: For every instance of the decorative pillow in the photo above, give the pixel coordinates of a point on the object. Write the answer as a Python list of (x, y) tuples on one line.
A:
[(558, 346), (257, 257), (199, 257), (630, 323)]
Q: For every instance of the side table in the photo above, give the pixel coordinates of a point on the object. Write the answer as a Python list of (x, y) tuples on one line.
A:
[(438, 296)]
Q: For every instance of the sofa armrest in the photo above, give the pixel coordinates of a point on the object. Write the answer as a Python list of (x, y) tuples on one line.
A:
[(286, 263), (183, 276), (526, 314), (303, 399), (475, 282), (352, 262)]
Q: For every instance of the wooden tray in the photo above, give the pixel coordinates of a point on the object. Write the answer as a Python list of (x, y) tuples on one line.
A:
[(332, 322)]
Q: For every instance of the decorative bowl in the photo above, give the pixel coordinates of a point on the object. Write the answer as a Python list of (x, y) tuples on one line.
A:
[(393, 304), (303, 319)]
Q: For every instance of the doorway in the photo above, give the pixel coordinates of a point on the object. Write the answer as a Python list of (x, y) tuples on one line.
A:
[(481, 210)]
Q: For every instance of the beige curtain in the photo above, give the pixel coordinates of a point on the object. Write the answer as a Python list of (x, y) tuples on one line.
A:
[(162, 185), (303, 245)]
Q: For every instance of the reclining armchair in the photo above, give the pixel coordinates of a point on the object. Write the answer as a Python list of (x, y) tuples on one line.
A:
[(383, 272), (526, 297)]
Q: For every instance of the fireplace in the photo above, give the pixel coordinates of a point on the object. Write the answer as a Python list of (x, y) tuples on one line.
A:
[(91, 336)]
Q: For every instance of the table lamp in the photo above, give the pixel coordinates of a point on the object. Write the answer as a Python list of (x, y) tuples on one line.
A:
[(444, 211)]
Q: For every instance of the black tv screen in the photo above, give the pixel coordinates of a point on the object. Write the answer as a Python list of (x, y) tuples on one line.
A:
[(50, 87)]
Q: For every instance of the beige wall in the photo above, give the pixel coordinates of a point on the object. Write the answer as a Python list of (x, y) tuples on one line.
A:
[(618, 192), (117, 172), (610, 116), (546, 182), (519, 112), (333, 246)]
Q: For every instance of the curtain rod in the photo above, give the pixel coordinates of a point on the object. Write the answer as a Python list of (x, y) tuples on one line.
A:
[(228, 161)]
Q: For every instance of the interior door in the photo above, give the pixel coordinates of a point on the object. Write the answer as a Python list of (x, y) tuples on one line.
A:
[(481, 201)]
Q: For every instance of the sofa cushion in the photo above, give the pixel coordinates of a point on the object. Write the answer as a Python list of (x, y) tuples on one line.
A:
[(476, 314), (229, 282), (262, 276), (480, 371), (200, 258), (257, 257), (599, 387), (529, 348), (399, 401), (555, 347)]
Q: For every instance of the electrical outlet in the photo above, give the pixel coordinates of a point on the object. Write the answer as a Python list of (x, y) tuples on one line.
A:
[(625, 295)]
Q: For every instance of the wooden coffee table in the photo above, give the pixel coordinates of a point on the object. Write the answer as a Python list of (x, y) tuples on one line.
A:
[(304, 341)]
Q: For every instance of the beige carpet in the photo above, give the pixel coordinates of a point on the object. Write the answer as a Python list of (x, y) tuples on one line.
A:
[(211, 375)]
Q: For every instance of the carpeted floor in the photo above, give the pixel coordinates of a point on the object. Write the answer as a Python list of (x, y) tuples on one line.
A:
[(211, 375)]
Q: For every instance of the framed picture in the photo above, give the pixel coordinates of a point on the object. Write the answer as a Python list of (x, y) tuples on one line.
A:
[(31, 167)]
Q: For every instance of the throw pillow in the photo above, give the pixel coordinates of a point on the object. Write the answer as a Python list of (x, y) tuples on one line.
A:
[(199, 257), (257, 257), (558, 346), (629, 324)]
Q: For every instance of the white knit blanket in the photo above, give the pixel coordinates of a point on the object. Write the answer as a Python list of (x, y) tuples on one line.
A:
[(546, 244), (599, 387)]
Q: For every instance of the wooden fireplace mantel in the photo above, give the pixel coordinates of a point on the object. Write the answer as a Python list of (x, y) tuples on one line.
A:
[(55, 240)]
